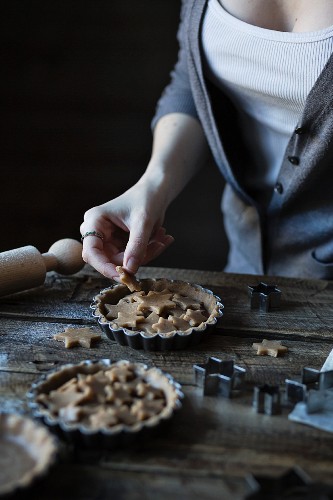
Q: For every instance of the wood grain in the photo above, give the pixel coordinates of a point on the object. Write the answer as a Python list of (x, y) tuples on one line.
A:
[(212, 444)]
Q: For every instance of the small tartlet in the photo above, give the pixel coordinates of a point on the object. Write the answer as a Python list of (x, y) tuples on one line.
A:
[(151, 341), (137, 397), (28, 450)]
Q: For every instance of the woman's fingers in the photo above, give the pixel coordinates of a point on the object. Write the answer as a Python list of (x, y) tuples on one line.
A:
[(96, 250), (156, 245), (93, 253), (139, 236), (130, 244), (155, 248)]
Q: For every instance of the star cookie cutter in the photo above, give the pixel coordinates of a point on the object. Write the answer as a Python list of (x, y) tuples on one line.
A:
[(218, 377), (266, 399), (294, 484), (264, 297)]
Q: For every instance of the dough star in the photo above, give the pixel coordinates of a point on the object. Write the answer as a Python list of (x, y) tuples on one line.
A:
[(270, 347), (77, 336)]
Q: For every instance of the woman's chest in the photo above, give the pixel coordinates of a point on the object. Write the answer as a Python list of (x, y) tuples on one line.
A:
[(283, 15)]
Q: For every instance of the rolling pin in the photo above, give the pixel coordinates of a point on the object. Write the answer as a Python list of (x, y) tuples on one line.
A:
[(25, 267)]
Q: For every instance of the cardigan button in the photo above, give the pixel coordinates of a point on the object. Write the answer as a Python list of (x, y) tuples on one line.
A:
[(299, 130), (278, 188), (294, 160)]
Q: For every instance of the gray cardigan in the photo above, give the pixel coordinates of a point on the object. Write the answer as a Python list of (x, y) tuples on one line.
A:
[(291, 234)]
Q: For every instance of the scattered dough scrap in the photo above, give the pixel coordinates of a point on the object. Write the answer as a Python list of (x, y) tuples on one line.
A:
[(77, 336), (270, 348), (128, 279)]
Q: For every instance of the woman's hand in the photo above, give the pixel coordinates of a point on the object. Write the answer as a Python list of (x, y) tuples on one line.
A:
[(131, 226)]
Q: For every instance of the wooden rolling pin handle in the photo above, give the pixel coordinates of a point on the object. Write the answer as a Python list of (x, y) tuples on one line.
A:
[(64, 256), (25, 267)]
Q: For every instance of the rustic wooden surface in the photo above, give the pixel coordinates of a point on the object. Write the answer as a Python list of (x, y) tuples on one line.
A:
[(212, 444)]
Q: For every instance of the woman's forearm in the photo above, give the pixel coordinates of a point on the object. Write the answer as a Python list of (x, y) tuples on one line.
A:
[(179, 150)]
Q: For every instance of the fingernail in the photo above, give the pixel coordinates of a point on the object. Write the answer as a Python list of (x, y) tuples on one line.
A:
[(132, 264), (169, 239)]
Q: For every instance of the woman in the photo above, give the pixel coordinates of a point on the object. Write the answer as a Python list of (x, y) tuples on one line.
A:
[(252, 85)]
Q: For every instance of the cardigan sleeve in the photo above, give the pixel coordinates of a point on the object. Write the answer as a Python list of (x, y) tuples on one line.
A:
[(177, 96)]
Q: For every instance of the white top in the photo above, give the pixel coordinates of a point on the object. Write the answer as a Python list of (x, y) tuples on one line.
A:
[(268, 75)]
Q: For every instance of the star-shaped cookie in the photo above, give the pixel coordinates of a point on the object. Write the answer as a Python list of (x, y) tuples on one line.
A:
[(129, 318), (195, 318), (163, 326), (126, 314), (77, 336), (270, 348), (128, 279), (69, 394), (186, 302), (156, 302)]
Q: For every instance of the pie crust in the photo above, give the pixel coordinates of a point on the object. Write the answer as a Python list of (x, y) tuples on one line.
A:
[(164, 315), (98, 401), (28, 450)]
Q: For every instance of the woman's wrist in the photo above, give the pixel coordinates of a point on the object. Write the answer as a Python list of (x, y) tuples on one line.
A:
[(158, 181)]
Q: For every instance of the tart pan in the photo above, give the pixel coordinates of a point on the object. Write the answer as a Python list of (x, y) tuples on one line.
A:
[(109, 437), (137, 339)]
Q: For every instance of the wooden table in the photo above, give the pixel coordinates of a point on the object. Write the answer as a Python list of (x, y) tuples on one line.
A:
[(213, 443)]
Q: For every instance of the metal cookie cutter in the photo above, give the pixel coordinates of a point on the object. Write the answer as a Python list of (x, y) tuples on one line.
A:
[(218, 377), (322, 382), (294, 484), (320, 402), (266, 399), (311, 381), (264, 297), (295, 391)]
